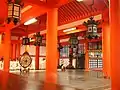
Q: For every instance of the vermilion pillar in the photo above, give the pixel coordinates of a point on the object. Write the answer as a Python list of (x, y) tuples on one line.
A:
[(7, 46), (106, 43), (86, 57), (14, 51), (18, 50), (37, 58), (51, 46), (11, 54), (115, 43)]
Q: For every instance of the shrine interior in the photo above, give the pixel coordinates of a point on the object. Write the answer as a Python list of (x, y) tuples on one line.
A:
[(59, 44)]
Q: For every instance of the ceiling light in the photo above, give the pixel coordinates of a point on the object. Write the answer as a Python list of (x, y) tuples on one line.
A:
[(70, 29), (75, 31), (26, 8), (79, 0), (33, 20)]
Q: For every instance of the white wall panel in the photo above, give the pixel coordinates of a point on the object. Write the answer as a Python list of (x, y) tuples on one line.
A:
[(42, 51), (22, 50), (42, 63), (32, 66), (32, 50), (64, 61)]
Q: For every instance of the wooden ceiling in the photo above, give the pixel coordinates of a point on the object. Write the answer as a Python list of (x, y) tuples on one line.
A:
[(67, 13)]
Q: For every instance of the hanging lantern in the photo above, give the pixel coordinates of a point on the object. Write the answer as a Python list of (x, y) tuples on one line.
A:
[(38, 40), (26, 41), (14, 11), (73, 41), (92, 28)]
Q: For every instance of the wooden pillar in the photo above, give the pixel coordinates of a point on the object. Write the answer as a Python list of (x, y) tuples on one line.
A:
[(115, 43), (86, 57), (51, 46), (106, 43), (37, 58), (7, 46)]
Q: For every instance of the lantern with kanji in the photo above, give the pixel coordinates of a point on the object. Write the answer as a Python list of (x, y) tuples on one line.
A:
[(25, 41), (73, 41), (92, 27), (38, 39)]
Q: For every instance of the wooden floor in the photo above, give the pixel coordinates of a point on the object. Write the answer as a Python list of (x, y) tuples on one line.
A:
[(15, 82)]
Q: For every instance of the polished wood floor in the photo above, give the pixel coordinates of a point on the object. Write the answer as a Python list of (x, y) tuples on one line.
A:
[(10, 81), (72, 79)]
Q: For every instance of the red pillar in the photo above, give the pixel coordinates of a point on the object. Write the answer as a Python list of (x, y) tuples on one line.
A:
[(86, 57), (51, 46), (106, 43), (11, 55), (14, 51), (115, 43), (7, 46), (37, 58), (18, 50)]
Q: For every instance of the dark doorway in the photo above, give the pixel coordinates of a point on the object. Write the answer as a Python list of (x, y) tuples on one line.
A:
[(80, 64)]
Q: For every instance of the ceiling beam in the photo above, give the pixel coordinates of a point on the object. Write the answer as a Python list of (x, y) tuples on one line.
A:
[(3, 11), (48, 3), (73, 24), (36, 2)]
